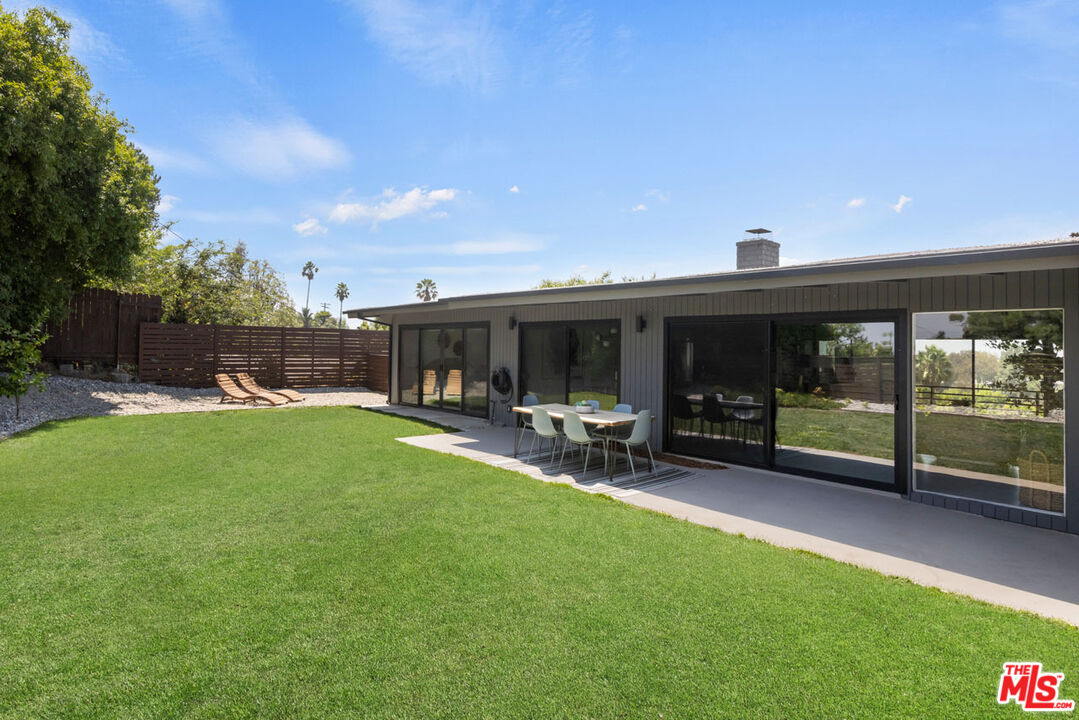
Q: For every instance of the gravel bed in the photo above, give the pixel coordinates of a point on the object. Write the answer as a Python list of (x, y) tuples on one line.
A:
[(67, 397)]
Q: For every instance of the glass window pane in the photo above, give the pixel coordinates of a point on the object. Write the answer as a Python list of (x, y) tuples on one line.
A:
[(835, 399), (594, 351), (543, 362), (476, 371), (409, 368), (431, 366), (989, 406), (718, 379), (453, 350)]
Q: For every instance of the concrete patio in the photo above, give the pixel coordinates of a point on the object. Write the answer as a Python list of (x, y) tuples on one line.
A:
[(1005, 563)]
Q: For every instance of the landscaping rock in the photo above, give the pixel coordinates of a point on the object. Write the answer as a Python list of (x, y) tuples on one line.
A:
[(67, 397)]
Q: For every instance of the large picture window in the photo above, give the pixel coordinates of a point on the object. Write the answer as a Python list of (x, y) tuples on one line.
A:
[(570, 362), (989, 406)]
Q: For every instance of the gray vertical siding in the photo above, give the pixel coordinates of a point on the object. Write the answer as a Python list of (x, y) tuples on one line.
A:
[(643, 354)]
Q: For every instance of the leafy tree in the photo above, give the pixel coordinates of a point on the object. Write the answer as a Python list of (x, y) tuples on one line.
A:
[(210, 283), (341, 293), (1032, 342), (986, 366), (78, 198), (308, 272), (323, 319), (576, 279), (933, 367), (426, 290)]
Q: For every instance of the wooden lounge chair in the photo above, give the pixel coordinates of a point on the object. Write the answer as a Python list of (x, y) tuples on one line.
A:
[(248, 383), (231, 392)]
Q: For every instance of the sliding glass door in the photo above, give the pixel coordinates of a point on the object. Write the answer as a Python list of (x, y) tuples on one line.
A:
[(835, 399), (717, 404), (570, 362), (445, 367), (811, 396)]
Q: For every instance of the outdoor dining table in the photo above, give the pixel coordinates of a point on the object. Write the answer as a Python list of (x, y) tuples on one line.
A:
[(598, 419), (729, 404)]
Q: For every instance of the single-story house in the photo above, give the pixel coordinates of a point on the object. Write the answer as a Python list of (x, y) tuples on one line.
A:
[(936, 375)]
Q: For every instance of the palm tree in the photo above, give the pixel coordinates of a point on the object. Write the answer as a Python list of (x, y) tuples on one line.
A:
[(306, 316), (933, 366), (308, 272), (426, 290), (341, 293)]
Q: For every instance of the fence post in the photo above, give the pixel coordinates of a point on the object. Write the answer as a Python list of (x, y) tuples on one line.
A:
[(282, 382), (340, 358), (213, 352), (119, 318)]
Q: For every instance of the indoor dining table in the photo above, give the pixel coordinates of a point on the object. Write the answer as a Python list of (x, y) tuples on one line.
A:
[(598, 419)]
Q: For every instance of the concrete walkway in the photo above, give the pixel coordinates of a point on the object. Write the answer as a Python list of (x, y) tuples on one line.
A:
[(999, 562)]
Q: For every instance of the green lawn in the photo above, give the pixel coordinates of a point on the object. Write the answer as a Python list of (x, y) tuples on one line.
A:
[(302, 563), (970, 443)]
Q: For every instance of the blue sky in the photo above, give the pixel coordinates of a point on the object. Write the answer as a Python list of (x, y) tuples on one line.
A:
[(489, 145)]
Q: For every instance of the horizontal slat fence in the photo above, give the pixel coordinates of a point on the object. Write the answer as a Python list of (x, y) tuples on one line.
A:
[(101, 326), (190, 355)]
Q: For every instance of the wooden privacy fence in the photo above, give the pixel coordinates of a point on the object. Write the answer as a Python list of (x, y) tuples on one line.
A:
[(190, 355), (101, 326)]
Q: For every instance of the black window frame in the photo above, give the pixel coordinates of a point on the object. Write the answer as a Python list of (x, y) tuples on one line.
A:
[(566, 325), (462, 326), (903, 443)]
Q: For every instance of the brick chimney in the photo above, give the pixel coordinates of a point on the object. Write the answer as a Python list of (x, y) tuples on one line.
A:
[(758, 250)]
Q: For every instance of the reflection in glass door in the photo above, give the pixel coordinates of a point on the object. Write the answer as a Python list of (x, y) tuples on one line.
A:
[(718, 387), (431, 367), (835, 399), (445, 367), (453, 350)]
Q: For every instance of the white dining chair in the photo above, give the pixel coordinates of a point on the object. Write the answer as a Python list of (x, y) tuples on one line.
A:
[(642, 429), (544, 429), (575, 433)]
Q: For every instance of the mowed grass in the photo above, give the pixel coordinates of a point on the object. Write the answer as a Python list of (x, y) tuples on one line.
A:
[(302, 563), (970, 443)]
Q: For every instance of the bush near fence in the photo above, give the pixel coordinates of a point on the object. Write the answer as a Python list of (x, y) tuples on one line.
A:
[(190, 355)]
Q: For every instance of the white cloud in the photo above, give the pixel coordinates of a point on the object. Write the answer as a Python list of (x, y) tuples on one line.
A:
[(1048, 24), (310, 226), (171, 159), (903, 200), (502, 246), (470, 269), (393, 205), (514, 189), (856, 202), (662, 195), (204, 30), (639, 208), (441, 42), (89, 43), (260, 216), (278, 150), (167, 203)]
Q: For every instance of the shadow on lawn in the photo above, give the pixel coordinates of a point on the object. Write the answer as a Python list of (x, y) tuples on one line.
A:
[(418, 420)]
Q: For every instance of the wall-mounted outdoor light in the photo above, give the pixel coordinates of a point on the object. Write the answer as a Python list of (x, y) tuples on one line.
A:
[(641, 323), (513, 322)]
